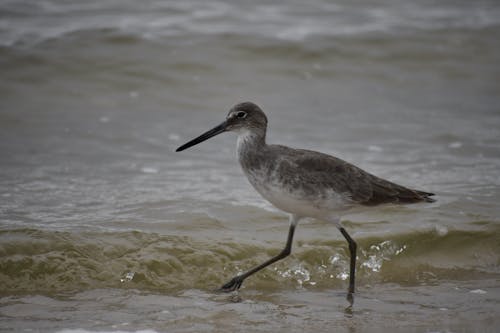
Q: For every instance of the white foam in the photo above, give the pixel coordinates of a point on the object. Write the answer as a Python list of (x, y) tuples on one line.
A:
[(79, 330), (478, 291), (455, 145), (441, 230), (149, 170), (288, 21), (374, 148), (128, 277), (174, 137)]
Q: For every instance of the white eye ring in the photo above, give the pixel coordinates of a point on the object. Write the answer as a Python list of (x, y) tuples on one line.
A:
[(241, 114)]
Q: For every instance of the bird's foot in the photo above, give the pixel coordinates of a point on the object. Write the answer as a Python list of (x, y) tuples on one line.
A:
[(232, 285)]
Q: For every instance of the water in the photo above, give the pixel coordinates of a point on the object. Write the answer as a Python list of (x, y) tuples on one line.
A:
[(104, 228)]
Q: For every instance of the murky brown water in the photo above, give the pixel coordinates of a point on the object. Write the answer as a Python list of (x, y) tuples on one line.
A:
[(104, 228)]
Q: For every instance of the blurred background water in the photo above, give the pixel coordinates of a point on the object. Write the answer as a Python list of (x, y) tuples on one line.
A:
[(104, 227)]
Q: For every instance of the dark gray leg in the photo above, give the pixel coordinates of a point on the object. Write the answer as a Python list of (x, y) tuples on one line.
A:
[(235, 282), (352, 251)]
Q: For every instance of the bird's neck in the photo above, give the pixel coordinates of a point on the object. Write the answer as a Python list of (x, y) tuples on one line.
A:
[(250, 142)]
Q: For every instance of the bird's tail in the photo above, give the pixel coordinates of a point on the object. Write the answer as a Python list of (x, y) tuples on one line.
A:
[(426, 196)]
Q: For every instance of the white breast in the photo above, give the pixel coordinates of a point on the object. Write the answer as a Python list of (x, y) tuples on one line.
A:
[(264, 178), (295, 201)]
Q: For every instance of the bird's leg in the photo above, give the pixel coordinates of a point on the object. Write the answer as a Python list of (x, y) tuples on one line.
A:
[(352, 251), (235, 282)]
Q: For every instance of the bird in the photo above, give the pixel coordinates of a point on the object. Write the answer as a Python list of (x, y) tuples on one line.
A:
[(303, 183)]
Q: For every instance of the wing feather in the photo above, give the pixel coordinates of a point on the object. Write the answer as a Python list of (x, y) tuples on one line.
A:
[(360, 186)]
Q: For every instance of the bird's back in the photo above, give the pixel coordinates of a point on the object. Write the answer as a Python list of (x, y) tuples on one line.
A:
[(315, 176)]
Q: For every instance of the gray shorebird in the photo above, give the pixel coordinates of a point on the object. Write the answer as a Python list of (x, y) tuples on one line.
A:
[(303, 183)]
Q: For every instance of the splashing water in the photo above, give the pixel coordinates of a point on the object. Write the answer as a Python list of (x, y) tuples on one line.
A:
[(377, 254)]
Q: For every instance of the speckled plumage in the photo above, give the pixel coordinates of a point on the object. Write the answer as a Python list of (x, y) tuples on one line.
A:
[(302, 182), (326, 182)]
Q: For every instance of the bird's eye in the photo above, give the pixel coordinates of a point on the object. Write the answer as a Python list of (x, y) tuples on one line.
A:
[(241, 114)]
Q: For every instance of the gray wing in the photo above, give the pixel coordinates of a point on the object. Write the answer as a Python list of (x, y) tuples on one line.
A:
[(342, 177)]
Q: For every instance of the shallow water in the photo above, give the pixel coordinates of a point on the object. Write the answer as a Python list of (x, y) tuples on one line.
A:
[(104, 228)]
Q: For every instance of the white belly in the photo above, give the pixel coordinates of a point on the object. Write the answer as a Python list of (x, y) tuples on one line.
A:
[(295, 201), (299, 199)]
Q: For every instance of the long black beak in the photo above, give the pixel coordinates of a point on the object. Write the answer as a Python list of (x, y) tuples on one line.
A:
[(205, 136)]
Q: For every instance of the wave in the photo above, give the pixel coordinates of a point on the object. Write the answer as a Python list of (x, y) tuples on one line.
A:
[(46, 261), (29, 22)]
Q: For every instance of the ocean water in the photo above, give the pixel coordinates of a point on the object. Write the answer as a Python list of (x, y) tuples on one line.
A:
[(104, 228)]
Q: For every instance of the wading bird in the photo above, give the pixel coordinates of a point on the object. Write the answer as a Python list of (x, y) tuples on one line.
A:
[(303, 183)]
